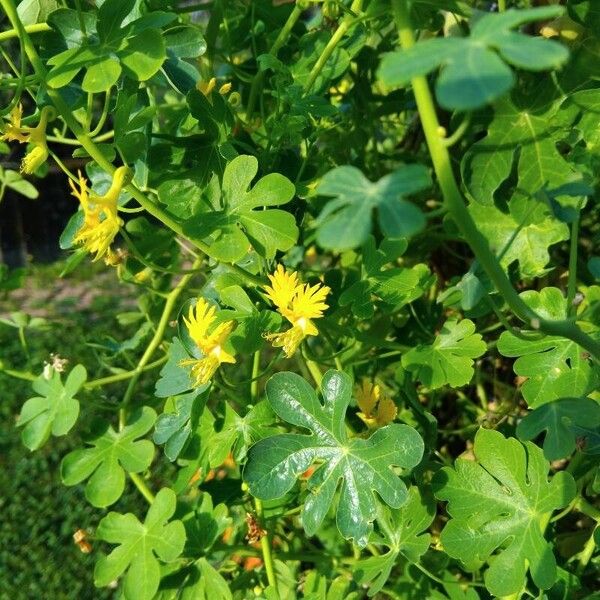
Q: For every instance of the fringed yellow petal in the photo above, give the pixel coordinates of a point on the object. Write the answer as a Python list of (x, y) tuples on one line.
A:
[(288, 340), (367, 397)]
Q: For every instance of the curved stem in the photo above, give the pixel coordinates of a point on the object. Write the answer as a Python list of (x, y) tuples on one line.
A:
[(340, 32), (460, 214), (281, 39), (102, 381)]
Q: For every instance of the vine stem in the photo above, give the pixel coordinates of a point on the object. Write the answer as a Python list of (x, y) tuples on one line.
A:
[(156, 338), (13, 33), (460, 214), (339, 33), (281, 39), (265, 540), (94, 152), (572, 281)]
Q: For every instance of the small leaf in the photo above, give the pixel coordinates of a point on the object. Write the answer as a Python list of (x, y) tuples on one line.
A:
[(54, 411), (363, 466), (555, 367), (139, 546), (111, 454), (174, 379), (346, 222), (565, 423), (449, 360), (496, 504)]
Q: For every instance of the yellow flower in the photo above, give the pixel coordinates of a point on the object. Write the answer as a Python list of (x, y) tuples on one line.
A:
[(101, 220), (376, 408), (298, 303), (32, 135), (199, 319), (206, 87)]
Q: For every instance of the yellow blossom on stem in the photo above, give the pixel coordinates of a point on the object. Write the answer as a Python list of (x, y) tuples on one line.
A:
[(377, 409), (299, 304), (36, 136), (198, 322), (101, 220)]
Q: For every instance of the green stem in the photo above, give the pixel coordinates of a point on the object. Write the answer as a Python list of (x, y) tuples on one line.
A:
[(572, 282), (95, 153), (501, 5), (339, 33), (314, 370), (461, 215), (156, 339), (90, 385), (18, 374), (583, 506), (281, 39), (13, 33), (265, 545), (140, 484)]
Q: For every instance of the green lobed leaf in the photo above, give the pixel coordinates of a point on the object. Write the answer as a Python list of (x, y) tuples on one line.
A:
[(140, 545), (473, 69), (346, 221), (567, 423), (554, 367), (362, 466), (404, 532), (111, 454), (174, 379), (54, 411), (449, 360), (496, 504)]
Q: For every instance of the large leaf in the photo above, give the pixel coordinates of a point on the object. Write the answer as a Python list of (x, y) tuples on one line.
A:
[(362, 466), (232, 222), (139, 546), (449, 360), (523, 234), (54, 411), (111, 454), (404, 532), (555, 367), (528, 132), (496, 504), (567, 423), (474, 69), (346, 221)]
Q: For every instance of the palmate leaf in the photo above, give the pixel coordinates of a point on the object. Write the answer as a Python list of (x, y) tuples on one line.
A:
[(363, 466), (235, 225), (528, 132), (404, 533), (567, 423), (111, 454), (54, 411), (474, 69), (449, 360), (496, 504), (524, 234), (139, 545), (555, 367), (346, 221)]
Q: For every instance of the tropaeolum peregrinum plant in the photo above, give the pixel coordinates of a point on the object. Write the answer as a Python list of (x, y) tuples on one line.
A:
[(363, 272)]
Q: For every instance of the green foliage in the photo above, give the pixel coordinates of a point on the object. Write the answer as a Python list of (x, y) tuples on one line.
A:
[(502, 496), (284, 168), (111, 454), (474, 70), (346, 221), (449, 360), (275, 463), (54, 411), (140, 546)]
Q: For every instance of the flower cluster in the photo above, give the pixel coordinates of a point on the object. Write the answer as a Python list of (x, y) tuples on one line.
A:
[(101, 221), (198, 322), (377, 409), (299, 304), (36, 136)]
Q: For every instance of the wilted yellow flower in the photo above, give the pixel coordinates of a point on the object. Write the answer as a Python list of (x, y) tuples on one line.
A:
[(199, 320), (298, 303), (13, 131), (206, 87), (377, 409), (101, 220)]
